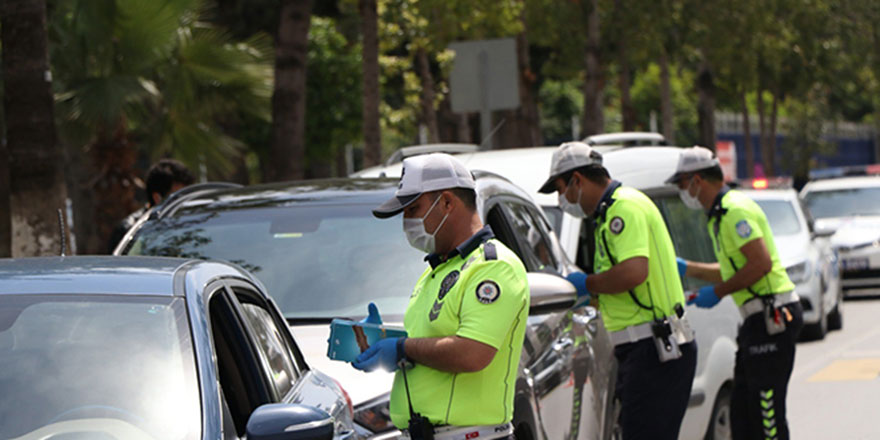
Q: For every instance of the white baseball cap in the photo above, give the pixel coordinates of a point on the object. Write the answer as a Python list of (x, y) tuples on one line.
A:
[(425, 173), (569, 156), (693, 159)]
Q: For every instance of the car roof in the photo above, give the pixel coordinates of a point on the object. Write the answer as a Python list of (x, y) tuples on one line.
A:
[(770, 194), (842, 183), (625, 137), (90, 275)]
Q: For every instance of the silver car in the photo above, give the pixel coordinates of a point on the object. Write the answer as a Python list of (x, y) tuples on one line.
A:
[(322, 255), (153, 349)]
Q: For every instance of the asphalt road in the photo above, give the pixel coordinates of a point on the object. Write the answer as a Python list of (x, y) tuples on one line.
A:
[(834, 392)]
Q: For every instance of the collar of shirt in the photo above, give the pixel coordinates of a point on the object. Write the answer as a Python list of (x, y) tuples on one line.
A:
[(606, 201), (716, 209), (463, 249)]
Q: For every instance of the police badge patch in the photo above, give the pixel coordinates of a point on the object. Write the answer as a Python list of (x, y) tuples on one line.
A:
[(488, 292), (616, 225), (447, 283), (743, 229)]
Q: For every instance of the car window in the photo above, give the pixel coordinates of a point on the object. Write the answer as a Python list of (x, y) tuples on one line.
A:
[(531, 234), (241, 381), (844, 202), (689, 233), (275, 354), (119, 364), (318, 261), (781, 215)]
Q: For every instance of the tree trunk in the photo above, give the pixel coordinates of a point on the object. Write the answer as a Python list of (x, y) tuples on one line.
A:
[(706, 105), (770, 166), (666, 115), (747, 135), (372, 131), (593, 119), (627, 112), (5, 217), (112, 187), (429, 114), (287, 150), (762, 126), (36, 180), (522, 128), (463, 129)]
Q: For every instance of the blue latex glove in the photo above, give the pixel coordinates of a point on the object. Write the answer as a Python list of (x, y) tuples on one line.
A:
[(373, 315), (705, 298), (682, 266), (579, 279), (383, 354)]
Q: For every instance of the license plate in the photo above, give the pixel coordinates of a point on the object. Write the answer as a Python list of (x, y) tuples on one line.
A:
[(852, 264)]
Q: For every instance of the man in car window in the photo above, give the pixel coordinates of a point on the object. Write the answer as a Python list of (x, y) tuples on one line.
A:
[(749, 270), (640, 297), (163, 178), (466, 318)]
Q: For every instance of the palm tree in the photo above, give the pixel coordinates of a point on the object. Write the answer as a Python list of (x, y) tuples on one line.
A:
[(35, 181), (146, 76)]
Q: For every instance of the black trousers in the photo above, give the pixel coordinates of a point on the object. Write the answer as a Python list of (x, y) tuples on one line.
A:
[(653, 394), (760, 377)]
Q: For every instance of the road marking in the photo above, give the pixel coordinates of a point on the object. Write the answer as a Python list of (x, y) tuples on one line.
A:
[(848, 369), (827, 355)]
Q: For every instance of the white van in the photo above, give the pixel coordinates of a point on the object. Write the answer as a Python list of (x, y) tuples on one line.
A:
[(644, 168)]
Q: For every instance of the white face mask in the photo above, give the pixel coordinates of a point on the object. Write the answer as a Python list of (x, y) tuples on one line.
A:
[(414, 228), (573, 209), (692, 202)]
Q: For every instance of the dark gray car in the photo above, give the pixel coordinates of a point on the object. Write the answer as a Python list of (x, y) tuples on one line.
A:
[(322, 255), (153, 349)]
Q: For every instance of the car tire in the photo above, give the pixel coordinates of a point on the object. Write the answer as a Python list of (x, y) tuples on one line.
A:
[(835, 318), (719, 423), (817, 331)]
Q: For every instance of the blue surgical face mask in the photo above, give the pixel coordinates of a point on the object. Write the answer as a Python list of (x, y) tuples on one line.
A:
[(414, 228)]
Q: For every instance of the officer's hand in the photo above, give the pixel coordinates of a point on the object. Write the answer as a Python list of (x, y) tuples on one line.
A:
[(373, 315), (705, 298), (579, 279), (383, 354), (682, 266)]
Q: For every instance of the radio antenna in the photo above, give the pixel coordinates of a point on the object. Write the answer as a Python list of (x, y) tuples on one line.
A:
[(61, 227)]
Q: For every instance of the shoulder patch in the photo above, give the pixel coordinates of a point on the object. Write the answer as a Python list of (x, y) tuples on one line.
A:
[(616, 225), (490, 251), (743, 229), (447, 283), (488, 291)]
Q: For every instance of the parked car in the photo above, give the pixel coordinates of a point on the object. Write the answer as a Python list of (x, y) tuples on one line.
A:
[(322, 255), (810, 261), (153, 348), (626, 139), (644, 168), (850, 208)]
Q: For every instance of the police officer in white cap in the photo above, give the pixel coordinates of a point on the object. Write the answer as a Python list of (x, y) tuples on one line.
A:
[(466, 317), (748, 269), (640, 296)]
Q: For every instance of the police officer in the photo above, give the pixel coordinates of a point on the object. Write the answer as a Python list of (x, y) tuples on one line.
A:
[(749, 270), (639, 300), (466, 318)]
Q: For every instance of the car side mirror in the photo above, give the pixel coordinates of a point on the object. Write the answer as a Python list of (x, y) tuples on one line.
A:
[(549, 293), (280, 421)]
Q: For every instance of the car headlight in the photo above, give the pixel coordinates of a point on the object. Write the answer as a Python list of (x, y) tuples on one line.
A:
[(799, 273), (375, 414)]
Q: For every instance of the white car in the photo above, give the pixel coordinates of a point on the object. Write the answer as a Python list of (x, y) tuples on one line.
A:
[(807, 256), (850, 206), (645, 168)]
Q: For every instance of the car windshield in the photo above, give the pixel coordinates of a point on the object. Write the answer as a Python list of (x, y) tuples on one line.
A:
[(844, 202), (318, 261), (98, 367), (780, 213)]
